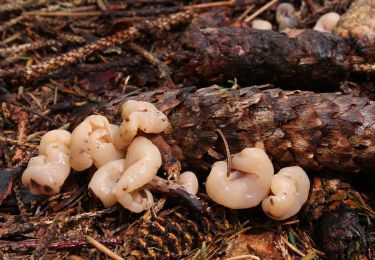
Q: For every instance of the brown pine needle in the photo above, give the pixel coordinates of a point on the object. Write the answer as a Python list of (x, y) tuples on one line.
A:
[(76, 14), (365, 68), (103, 248), (252, 257), (293, 248), (227, 151), (261, 10), (13, 141), (208, 5)]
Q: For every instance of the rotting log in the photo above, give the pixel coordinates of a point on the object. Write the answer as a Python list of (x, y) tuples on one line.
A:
[(317, 131), (304, 59)]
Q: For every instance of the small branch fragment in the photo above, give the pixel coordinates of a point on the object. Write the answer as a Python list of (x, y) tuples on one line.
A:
[(53, 230), (21, 143), (174, 190), (72, 57), (170, 162), (227, 151), (260, 10), (308, 59), (103, 248), (20, 204), (164, 71)]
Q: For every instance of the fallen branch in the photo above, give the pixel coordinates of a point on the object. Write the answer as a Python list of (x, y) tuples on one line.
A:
[(331, 131), (306, 59), (72, 57)]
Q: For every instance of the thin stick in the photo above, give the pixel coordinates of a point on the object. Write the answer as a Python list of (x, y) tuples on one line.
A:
[(103, 248), (227, 151), (13, 141), (76, 14), (365, 68), (82, 53), (208, 5), (244, 14), (244, 257), (261, 10), (164, 70), (295, 249)]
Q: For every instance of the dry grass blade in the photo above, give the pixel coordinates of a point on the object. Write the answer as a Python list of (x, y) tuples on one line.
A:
[(16, 142), (364, 68), (72, 57), (293, 248), (103, 248), (53, 230), (209, 5), (261, 10), (240, 257), (227, 151)]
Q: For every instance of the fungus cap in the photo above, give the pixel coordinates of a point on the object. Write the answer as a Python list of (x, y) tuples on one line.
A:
[(290, 187), (248, 183)]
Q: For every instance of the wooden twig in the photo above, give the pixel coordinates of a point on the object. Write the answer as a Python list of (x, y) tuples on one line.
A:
[(36, 223), (20, 204), (365, 68), (260, 10), (53, 230), (172, 189), (11, 22), (17, 142), (61, 244), (27, 47), (103, 248), (72, 57), (210, 5), (164, 71), (227, 151), (62, 14)]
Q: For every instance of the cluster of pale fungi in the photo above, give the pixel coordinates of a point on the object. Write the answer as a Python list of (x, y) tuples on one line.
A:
[(286, 18), (123, 177)]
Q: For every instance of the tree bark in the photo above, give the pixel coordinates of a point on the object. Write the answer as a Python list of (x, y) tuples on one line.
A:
[(317, 131)]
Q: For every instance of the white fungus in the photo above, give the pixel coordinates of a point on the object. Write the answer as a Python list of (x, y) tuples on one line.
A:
[(189, 182), (248, 183), (137, 200), (261, 24), (139, 115), (290, 187), (46, 173), (104, 179), (142, 162), (92, 143), (327, 22), (286, 16)]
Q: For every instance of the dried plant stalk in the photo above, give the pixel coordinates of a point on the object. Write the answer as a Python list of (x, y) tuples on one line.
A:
[(27, 47), (72, 57)]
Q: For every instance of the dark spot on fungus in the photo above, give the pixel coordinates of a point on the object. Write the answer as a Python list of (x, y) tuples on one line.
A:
[(34, 183), (269, 214), (47, 188)]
